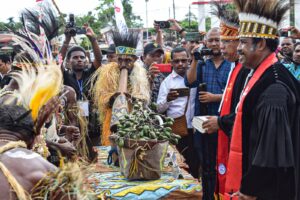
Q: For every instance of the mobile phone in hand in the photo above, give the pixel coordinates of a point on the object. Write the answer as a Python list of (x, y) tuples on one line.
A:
[(284, 33), (182, 92), (163, 24), (164, 68)]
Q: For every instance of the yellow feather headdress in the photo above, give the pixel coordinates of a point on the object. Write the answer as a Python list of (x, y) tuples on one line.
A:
[(37, 83), (37, 86)]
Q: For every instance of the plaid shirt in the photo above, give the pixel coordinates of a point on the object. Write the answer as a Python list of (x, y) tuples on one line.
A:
[(216, 82), (155, 84)]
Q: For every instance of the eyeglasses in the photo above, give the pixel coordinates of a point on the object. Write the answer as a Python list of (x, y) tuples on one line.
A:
[(177, 61), (193, 42)]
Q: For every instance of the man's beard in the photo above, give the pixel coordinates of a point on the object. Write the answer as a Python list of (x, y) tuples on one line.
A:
[(78, 69), (217, 53)]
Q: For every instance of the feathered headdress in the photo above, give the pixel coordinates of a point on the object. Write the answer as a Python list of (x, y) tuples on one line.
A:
[(49, 22), (36, 86), (126, 43), (229, 20), (260, 18)]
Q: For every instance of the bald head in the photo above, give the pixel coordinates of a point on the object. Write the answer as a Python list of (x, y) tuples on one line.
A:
[(212, 30), (212, 41)]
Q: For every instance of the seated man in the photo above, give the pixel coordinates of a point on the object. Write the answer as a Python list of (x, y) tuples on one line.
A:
[(19, 166)]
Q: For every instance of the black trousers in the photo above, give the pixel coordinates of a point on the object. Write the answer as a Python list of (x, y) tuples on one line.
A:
[(186, 148), (207, 154)]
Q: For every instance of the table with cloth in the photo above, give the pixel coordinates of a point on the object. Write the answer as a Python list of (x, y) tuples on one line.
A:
[(108, 183)]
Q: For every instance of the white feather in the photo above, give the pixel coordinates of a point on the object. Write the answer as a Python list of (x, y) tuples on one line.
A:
[(249, 17)]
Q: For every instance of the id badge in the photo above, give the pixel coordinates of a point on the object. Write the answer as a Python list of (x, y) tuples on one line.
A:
[(84, 107)]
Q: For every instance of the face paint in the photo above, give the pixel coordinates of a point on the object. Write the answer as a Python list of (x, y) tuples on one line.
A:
[(126, 61)]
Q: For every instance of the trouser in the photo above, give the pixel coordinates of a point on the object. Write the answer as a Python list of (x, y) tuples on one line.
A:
[(208, 153), (91, 141), (186, 148)]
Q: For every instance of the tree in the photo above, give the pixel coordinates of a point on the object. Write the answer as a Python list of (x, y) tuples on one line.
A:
[(11, 25), (90, 19), (190, 22)]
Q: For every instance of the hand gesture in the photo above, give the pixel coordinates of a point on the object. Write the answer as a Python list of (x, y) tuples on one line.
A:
[(175, 25), (66, 148), (156, 27), (211, 125), (72, 133), (172, 95), (193, 50), (153, 70), (206, 97), (89, 31), (295, 33)]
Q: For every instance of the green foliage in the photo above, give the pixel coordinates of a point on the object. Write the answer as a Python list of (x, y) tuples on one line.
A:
[(11, 24), (207, 23), (190, 27), (190, 22), (106, 14), (86, 44), (91, 20)]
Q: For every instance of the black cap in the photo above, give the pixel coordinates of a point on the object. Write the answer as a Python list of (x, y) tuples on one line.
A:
[(111, 49), (152, 47)]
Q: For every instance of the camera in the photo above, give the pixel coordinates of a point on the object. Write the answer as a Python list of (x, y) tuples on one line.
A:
[(198, 55), (163, 24), (71, 27)]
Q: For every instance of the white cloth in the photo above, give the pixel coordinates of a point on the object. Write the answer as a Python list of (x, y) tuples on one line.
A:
[(119, 17), (229, 76), (176, 107)]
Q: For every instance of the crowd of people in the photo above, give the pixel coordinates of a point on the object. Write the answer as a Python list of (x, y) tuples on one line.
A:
[(246, 85)]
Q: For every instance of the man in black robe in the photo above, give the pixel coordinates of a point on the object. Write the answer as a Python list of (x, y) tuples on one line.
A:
[(265, 153)]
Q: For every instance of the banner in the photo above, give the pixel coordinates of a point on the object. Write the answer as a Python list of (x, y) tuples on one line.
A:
[(120, 20)]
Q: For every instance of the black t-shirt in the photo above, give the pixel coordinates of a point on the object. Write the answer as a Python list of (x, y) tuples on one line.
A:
[(81, 86), (4, 80)]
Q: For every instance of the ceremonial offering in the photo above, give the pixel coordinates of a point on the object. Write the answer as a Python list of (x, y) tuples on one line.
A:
[(142, 138)]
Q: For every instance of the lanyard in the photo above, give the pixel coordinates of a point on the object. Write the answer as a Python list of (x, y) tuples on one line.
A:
[(80, 85)]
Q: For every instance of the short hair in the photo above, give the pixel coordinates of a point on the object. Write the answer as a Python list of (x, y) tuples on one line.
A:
[(178, 50), (296, 44), (74, 48), (214, 29), (5, 58), (16, 119), (271, 44), (292, 39)]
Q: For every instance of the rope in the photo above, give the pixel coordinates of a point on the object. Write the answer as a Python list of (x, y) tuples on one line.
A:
[(136, 161), (12, 145), (18, 189)]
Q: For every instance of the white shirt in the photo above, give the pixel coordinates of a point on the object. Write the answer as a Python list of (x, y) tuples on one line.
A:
[(176, 107)]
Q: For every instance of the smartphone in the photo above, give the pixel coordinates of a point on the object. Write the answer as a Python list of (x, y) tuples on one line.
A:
[(182, 92), (80, 31), (164, 68), (163, 24), (284, 33)]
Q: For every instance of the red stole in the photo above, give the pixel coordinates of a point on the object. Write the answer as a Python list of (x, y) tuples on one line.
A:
[(223, 140), (234, 170)]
